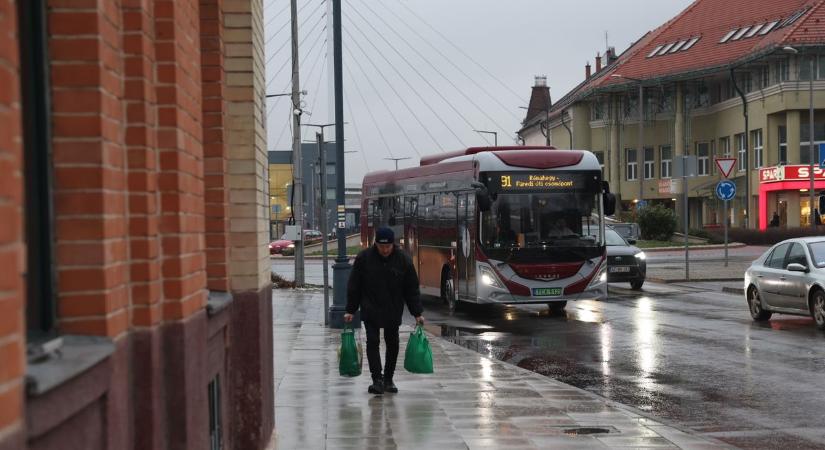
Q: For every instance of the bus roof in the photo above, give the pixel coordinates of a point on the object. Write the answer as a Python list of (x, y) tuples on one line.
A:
[(433, 159)]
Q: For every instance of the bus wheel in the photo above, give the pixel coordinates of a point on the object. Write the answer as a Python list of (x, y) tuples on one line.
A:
[(449, 292), (557, 307)]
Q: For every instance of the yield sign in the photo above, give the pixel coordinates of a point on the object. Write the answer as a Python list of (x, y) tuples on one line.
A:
[(725, 165)]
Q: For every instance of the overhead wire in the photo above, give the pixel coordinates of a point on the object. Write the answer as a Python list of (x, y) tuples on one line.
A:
[(446, 58), (504, 85), (361, 148), (397, 94), (383, 102), (301, 25), (276, 15), (403, 78), (317, 86), (289, 60), (427, 61), (368, 109), (288, 21)]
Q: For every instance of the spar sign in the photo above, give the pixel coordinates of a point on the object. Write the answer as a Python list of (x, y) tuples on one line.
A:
[(789, 173)]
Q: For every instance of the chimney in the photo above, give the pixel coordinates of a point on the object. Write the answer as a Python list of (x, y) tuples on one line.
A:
[(587, 71), (598, 63), (610, 54), (541, 81)]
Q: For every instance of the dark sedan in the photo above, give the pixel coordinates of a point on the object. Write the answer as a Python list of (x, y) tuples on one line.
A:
[(625, 262)]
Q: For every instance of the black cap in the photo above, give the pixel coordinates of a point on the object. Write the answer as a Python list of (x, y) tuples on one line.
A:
[(384, 235)]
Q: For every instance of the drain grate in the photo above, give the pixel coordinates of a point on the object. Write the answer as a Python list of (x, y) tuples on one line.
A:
[(586, 430)]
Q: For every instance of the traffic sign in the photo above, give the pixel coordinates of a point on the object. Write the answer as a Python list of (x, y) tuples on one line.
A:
[(725, 165), (726, 190), (822, 156)]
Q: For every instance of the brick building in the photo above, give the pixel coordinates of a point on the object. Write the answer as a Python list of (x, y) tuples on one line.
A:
[(699, 73), (135, 295)]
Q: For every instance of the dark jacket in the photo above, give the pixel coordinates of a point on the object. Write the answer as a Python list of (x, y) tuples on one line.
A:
[(381, 286)]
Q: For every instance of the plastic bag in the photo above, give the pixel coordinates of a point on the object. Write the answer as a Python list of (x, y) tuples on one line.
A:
[(350, 354), (418, 358)]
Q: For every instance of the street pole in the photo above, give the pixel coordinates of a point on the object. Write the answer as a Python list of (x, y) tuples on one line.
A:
[(685, 214), (324, 222), (342, 268), (726, 232), (494, 133), (298, 184), (396, 161), (811, 136)]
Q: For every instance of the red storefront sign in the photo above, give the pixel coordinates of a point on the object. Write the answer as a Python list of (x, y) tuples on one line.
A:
[(789, 173)]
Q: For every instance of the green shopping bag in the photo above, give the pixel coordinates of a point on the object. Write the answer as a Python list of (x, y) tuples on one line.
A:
[(418, 358), (350, 354)]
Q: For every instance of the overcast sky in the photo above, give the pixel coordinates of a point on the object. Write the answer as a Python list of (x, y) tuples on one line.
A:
[(420, 75)]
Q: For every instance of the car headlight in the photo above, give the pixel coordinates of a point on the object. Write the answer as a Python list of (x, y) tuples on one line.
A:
[(488, 278), (640, 256), (290, 246)]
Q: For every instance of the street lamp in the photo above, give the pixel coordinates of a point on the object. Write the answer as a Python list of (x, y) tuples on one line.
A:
[(812, 157), (494, 133), (284, 95), (396, 161), (641, 150)]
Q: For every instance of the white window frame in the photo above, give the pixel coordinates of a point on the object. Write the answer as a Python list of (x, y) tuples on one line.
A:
[(703, 162), (758, 148), (724, 146), (650, 165), (631, 165), (667, 164), (741, 151)]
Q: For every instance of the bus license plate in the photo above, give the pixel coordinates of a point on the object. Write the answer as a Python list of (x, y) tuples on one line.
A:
[(615, 269), (546, 292)]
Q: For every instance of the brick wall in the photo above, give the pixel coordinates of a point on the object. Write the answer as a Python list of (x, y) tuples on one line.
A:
[(89, 162), (11, 247)]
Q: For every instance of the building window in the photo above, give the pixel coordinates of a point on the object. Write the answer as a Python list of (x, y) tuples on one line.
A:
[(214, 395), (632, 163), (39, 203), (805, 145), (781, 70), (666, 156), (330, 169), (600, 158), (650, 164), (756, 137), (783, 145), (597, 108), (741, 151), (724, 147), (703, 158)]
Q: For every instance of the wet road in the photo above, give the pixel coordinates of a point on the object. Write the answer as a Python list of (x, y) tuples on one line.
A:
[(687, 354)]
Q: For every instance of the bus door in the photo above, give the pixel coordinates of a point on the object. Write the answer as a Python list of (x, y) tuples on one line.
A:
[(465, 251)]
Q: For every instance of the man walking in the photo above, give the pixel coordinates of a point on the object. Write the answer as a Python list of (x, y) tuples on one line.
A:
[(383, 279)]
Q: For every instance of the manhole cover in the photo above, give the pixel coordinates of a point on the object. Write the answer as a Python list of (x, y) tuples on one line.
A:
[(586, 430)]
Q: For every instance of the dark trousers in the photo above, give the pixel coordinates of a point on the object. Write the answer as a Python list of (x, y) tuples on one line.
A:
[(374, 356)]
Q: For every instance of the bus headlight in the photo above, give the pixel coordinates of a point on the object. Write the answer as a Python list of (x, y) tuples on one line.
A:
[(488, 278), (640, 256)]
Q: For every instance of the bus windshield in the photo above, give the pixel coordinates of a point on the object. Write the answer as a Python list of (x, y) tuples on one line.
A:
[(552, 227)]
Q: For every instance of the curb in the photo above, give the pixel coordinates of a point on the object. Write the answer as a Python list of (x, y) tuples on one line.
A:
[(694, 247), (700, 280)]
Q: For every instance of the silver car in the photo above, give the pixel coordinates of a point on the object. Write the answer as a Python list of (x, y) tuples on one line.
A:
[(789, 279)]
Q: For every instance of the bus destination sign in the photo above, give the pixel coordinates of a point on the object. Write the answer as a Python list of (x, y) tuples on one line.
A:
[(521, 181)]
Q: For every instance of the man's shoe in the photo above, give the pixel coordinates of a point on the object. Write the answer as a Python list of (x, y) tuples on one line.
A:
[(389, 386), (377, 387)]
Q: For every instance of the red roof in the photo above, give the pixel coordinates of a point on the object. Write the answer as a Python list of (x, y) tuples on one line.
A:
[(711, 20), (433, 159)]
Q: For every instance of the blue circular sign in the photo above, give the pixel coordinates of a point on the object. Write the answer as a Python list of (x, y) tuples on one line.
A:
[(726, 190)]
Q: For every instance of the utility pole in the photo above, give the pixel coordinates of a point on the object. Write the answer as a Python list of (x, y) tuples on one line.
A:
[(342, 268), (324, 217), (396, 161), (297, 161)]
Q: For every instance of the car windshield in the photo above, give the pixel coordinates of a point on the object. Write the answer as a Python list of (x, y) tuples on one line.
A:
[(818, 253), (552, 226), (614, 239)]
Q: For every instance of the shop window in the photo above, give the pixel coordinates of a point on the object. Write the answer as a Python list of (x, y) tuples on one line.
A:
[(783, 145), (650, 163), (756, 138), (631, 164), (666, 156), (703, 158)]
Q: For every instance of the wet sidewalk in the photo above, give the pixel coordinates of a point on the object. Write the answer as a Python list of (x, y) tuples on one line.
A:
[(469, 402)]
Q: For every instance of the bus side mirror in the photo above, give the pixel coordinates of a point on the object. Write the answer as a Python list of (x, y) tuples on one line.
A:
[(483, 199), (609, 204)]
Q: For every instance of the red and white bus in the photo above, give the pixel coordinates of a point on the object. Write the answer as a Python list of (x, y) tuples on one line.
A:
[(509, 225)]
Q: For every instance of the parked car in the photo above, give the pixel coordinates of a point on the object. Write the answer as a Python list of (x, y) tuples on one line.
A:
[(789, 279), (286, 247), (625, 262)]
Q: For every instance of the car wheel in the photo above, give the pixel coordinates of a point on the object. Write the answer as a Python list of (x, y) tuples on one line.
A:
[(636, 285), (818, 308), (755, 305), (557, 307)]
